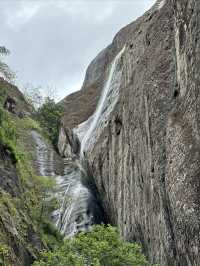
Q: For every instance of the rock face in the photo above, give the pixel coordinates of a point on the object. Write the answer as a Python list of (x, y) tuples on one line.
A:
[(20, 235), (68, 143), (13, 100), (145, 161)]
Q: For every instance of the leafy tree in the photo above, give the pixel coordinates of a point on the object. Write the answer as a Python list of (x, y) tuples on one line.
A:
[(49, 115), (101, 247), (47, 112), (4, 68)]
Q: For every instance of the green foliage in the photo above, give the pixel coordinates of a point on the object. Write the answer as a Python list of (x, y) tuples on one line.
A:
[(49, 115), (101, 247), (50, 235), (29, 123), (33, 206), (2, 96), (8, 136), (25, 125), (4, 255), (48, 202)]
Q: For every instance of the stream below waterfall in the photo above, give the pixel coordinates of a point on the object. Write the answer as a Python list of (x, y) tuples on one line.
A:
[(79, 207)]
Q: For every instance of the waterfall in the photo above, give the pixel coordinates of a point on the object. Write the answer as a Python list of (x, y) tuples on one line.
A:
[(108, 98), (44, 161), (79, 207)]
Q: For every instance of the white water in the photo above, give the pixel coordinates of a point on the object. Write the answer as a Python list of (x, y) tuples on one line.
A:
[(160, 4), (82, 128), (79, 209), (75, 214), (110, 92), (44, 156)]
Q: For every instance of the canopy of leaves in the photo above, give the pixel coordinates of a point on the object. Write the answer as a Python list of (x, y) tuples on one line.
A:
[(49, 115), (101, 247)]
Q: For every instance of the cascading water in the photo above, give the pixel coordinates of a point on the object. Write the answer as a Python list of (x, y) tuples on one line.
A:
[(79, 208), (107, 101), (79, 205), (44, 156)]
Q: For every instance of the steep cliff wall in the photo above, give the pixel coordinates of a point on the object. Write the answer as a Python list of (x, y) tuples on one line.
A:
[(145, 161), (129, 158), (19, 241), (21, 233)]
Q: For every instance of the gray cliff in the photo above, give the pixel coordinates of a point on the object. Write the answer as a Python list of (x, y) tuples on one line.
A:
[(146, 159)]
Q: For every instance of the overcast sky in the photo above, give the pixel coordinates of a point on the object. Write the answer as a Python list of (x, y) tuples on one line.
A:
[(53, 42)]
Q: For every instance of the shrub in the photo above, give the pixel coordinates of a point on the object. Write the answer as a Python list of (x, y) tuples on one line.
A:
[(4, 254), (49, 115), (101, 247)]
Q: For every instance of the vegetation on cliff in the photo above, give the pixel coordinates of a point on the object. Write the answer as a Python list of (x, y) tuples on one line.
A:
[(49, 115), (27, 201), (101, 247), (47, 112), (25, 216), (25, 227)]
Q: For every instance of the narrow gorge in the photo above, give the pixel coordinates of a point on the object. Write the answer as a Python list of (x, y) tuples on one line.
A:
[(142, 148), (128, 149), (79, 206)]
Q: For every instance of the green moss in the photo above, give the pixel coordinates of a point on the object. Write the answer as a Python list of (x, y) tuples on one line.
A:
[(21, 214), (50, 235), (4, 255), (27, 124), (2, 96)]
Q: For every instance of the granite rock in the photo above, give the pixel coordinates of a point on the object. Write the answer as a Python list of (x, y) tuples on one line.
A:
[(145, 162)]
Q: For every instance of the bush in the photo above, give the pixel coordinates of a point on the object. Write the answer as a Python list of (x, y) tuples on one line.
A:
[(49, 115), (30, 210), (4, 254), (101, 247)]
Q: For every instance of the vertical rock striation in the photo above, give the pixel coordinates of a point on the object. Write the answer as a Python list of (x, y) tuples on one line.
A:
[(145, 160)]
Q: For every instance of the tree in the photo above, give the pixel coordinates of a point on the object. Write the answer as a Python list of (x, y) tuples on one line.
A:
[(49, 115), (101, 247), (4, 68)]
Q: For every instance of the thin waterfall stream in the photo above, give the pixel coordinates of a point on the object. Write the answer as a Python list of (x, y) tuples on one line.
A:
[(107, 100), (79, 204)]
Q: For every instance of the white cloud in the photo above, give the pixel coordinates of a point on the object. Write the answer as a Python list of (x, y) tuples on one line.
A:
[(23, 13), (53, 41)]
